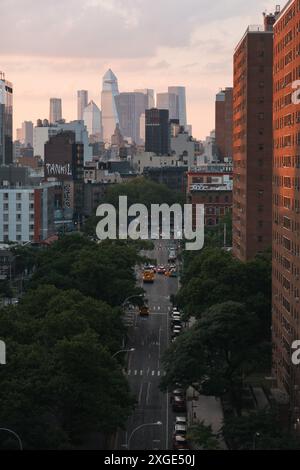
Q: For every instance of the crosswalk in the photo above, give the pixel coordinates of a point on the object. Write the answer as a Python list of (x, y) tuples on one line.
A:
[(145, 373)]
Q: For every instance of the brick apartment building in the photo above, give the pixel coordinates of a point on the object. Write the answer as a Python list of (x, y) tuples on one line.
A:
[(211, 185), (286, 204), (252, 141), (224, 116)]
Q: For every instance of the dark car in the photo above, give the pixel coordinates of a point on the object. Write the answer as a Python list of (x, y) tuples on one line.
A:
[(180, 443)]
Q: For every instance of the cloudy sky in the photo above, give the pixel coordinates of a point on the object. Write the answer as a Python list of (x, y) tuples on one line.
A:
[(55, 48)]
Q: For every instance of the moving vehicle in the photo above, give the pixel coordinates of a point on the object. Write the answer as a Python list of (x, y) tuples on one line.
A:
[(161, 270), (144, 311), (172, 255), (148, 276)]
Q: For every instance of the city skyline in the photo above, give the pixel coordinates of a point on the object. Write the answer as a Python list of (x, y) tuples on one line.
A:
[(198, 56)]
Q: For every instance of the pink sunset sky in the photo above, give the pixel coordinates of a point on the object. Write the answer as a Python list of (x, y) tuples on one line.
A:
[(54, 49)]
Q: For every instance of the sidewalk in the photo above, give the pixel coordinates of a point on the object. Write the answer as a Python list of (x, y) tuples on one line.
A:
[(207, 409)]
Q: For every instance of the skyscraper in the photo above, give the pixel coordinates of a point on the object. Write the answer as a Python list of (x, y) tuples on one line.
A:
[(130, 108), (6, 121), (252, 143), (224, 123), (27, 133), (157, 131), (110, 117), (180, 92), (170, 102), (150, 100), (286, 205), (55, 110), (92, 120), (82, 102)]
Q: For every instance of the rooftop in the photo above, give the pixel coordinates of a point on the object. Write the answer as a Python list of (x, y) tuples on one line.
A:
[(211, 187)]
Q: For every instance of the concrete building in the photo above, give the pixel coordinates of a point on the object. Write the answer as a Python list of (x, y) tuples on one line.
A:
[(27, 133), (174, 177), (64, 163), (150, 98), (131, 106), (211, 185), (93, 121), (6, 121), (224, 123), (184, 147), (27, 213), (142, 160), (82, 102), (42, 133), (181, 94), (252, 143), (169, 101), (286, 205), (157, 131), (55, 110), (209, 154), (110, 117)]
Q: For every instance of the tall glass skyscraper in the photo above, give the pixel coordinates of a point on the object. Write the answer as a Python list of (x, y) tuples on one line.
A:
[(180, 92), (6, 121), (55, 110), (92, 120), (110, 117), (82, 102)]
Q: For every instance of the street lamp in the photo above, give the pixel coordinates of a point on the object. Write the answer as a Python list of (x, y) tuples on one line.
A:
[(14, 434), (159, 423), (256, 436), (123, 351)]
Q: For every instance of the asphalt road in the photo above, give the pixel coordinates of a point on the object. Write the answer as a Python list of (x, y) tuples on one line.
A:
[(150, 337)]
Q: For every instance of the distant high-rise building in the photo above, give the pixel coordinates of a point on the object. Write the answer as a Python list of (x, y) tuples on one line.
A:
[(130, 107), (92, 120), (19, 133), (157, 131), (150, 99), (27, 133), (252, 143), (224, 123), (170, 102), (82, 102), (6, 121), (55, 110), (181, 93), (286, 206), (110, 117)]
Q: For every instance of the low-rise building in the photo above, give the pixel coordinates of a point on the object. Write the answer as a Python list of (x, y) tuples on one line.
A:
[(211, 185)]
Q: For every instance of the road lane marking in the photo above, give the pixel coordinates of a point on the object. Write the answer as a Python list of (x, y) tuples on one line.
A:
[(129, 372), (158, 373), (141, 372), (153, 373), (135, 372), (141, 391), (148, 393)]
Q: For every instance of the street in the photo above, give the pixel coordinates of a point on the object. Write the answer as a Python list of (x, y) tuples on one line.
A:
[(150, 338)]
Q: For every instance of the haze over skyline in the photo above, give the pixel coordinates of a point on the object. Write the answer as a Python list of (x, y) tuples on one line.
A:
[(68, 45)]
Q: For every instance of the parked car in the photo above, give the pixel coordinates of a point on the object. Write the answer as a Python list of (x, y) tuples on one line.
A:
[(179, 404), (180, 443), (180, 430), (181, 420)]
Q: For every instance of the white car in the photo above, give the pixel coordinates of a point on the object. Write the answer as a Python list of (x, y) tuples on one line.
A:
[(180, 430), (181, 420)]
